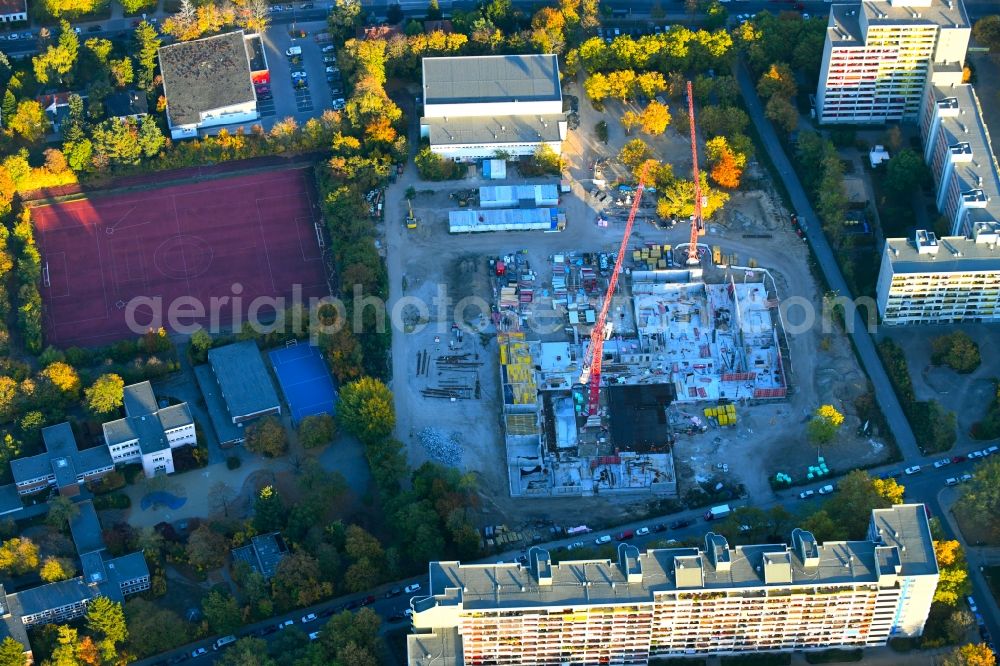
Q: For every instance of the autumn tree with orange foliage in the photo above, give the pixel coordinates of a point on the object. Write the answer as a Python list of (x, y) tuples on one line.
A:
[(726, 164)]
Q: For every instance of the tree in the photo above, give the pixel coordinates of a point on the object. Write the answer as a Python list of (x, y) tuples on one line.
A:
[(986, 31), (722, 121), (726, 164), (122, 73), (268, 510), (858, 494), (267, 437), (953, 581), (317, 430), (56, 569), (677, 199), (206, 548), (780, 111), (12, 653), (147, 45), (151, 139), (100, 48), (778, 80), (64, 377), (346, 629), (655, 118), (297, 582), (957, 350), (18, 556), (247, 651), (824, 424), (29, 121), (979, 502), (66, 650), (344, 18), (106, 394), (366, 410), (221, 497), (201, 341), (61, 511), (971, 654), (904, 173), (106, 620), (222, 612), (634, 153), (116, 142), (253, 16)]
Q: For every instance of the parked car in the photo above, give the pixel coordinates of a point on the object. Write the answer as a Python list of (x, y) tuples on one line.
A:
[(338, 104), (625, 536), (264, 96), (306, 619), (330, 48), (285, 624), (972, 603), (993, 449), (659, 527), (299, 75), (806, 494), (367, 601), (314, 635), (678, 524), (198, 652), (965, 478), (912, 470), (958, 459), (975, 454), (642, 531), (410, 589), (394, 592), (601, 540), (329, 57), (951, 481), (944, 462), (575, 545), (827, 489)]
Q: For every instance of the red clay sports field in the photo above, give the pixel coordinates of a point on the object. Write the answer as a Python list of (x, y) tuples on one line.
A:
[(193, 240)]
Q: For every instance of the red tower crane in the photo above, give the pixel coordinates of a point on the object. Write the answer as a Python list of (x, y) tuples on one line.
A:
[(595, 353), (696, 222)]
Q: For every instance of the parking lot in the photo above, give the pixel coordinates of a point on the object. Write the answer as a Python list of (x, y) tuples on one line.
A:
[(301, 101)]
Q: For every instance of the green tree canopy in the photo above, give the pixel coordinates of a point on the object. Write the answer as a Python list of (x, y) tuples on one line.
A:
[(106, 394), (18, 556), (222, 612), (267, 437), (366, 410), (317, 430), (12, 653)]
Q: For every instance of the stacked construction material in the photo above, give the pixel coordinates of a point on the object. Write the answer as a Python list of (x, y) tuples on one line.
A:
[(724, 415)]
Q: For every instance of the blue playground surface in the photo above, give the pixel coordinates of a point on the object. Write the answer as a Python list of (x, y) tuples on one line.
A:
[(159, 497), (305, 380)]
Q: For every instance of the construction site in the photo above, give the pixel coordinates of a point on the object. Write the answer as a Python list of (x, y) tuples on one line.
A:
[(678, 353)]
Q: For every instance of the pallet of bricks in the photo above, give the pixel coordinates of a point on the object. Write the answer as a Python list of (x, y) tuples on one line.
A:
[(651, 258), (724, 415)]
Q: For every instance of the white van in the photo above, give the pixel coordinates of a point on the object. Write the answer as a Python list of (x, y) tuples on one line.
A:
[(293, 51), (223, 642)]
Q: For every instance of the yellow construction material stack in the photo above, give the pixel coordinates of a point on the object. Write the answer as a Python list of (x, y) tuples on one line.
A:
[(515, 358), (724, 415)]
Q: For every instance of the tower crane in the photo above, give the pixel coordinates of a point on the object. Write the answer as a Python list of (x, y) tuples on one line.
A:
[(595, 353), (696, 221)]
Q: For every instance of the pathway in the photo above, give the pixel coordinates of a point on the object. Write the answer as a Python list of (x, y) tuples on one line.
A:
[(863, 342)]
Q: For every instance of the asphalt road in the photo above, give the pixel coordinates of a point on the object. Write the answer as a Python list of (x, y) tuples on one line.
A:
[(924, 486)]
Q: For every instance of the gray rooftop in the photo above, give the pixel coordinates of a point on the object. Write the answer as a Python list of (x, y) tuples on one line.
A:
[(205, 74), (942, 13), (86, 529), (503, 78), (639, 577), (10, 501), (145, 421), (222, 423), (494, 129), (127, 567), (243, 380), (61, 458), (972, 256), (53, 595), (443, 647), (844, 27), (264, 553)]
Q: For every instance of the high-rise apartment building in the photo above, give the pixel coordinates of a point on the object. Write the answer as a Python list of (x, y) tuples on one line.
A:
[(878, 55), (930, 280), (682, 601)]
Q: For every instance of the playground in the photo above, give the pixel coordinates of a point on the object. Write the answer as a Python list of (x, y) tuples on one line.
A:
[(115, 265)]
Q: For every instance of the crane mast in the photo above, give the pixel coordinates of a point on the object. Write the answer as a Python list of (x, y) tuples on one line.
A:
[(696, 222), (595, 353)]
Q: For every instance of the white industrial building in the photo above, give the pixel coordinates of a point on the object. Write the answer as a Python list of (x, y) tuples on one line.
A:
[(878, 54), (682, 601), (208, 82), (928, 280), (478, 106)]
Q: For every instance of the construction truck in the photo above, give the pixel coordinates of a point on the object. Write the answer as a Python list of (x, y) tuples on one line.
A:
[(411, 219)]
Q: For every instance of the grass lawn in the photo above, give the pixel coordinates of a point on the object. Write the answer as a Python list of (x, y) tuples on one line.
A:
[(975, 533)]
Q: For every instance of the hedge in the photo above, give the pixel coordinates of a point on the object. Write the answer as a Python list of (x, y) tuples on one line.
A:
[(112, 501)]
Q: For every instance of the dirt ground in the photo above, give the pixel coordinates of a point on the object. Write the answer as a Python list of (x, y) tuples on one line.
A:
[(424, 262)]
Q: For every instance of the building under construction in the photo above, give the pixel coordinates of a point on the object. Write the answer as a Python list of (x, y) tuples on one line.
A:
[(670, 338)]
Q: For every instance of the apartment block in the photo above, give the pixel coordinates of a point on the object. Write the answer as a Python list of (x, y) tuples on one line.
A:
[(878, 54), (958, 149), (682, 601), (928, 280)]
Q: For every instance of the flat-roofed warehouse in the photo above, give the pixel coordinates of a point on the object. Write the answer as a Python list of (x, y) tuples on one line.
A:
[(476, 106), (207, 82)]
